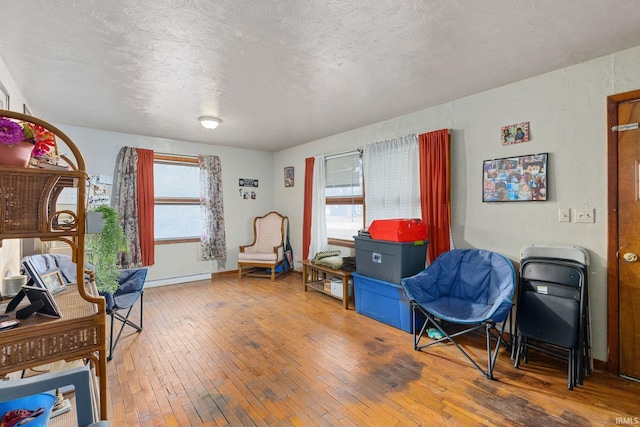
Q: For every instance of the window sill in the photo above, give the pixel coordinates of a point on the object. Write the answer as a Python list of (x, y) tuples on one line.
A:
[(341, 242), (177, 240)]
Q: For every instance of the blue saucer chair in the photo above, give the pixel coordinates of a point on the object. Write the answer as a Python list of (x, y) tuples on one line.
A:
[(463, 291)]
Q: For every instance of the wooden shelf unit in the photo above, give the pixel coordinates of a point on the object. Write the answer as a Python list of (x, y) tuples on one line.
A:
[(314, 275), (28, 199)]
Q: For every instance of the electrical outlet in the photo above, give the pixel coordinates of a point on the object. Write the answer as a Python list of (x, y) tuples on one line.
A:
[(586, 215), (564, 215)]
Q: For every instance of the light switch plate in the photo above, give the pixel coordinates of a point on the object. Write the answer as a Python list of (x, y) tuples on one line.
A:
[(564, 215), (586, 215)]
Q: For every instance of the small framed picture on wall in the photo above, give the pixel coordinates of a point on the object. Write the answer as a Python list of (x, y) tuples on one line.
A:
[(288, 176), (514, 134)]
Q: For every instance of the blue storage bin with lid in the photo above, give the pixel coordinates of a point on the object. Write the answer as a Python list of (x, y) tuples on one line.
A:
[(384, 301)]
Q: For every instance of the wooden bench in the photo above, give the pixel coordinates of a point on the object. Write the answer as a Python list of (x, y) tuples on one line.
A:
[(314, 275)]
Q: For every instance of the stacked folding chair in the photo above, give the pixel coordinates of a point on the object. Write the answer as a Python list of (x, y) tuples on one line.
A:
[(553, 307)]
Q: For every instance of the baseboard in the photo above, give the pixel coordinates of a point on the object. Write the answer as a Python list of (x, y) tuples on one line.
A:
[(235, 272), (224, 273), (176, 280), (600, 365), (195, 278)]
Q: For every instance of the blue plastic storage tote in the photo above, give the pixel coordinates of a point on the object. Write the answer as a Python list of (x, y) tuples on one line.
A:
[(383, 301)]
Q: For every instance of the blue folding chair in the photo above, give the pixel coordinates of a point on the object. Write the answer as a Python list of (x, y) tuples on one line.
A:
[(469, 287), (121, 303)]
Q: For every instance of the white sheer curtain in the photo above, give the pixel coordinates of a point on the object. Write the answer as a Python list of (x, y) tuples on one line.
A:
[(318, 218), (392, 179)]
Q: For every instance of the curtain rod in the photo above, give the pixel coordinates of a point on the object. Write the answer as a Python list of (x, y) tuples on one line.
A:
[(343, 153), (191, 156)]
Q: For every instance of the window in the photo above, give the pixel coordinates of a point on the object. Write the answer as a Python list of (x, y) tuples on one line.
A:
[(392, 177), (176, 199), (344, 194)]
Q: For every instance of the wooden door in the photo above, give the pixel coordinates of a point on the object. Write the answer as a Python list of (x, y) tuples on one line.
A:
[(629, 238)]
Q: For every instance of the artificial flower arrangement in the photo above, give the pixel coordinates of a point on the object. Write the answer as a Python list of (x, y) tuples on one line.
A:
[(25, 134), (13, 132)]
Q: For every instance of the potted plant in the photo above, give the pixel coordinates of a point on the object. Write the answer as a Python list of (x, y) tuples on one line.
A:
[(103, 248), (19, 141)]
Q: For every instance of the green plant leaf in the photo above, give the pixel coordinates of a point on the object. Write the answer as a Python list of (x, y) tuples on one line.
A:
[(103, 249)]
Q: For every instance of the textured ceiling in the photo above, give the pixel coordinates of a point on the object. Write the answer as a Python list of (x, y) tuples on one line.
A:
[(284, 72)]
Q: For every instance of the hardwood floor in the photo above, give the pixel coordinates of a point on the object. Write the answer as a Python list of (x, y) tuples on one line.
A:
[(257, 353)]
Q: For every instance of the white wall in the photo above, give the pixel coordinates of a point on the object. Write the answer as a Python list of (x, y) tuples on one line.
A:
[(567, 114), (175, 262)]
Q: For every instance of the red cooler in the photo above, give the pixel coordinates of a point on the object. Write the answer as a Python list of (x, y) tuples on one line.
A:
[(398, 230)]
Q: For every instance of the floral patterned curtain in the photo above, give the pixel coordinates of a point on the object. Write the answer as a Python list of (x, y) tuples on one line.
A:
[(212, 240), (124, 202)]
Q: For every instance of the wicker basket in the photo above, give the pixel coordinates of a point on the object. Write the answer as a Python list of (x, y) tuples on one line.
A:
[(24, 199)]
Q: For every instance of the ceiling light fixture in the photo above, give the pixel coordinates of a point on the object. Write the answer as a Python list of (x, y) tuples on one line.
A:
[(209, 122)]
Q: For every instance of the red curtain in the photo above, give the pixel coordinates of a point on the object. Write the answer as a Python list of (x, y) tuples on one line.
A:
[(435, 193), (145, 205), (306, 216)]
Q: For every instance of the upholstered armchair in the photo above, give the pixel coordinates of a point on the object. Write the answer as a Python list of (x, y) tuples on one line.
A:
[(265, 257)]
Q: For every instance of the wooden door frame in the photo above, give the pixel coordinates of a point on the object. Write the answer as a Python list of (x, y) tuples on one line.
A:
[(613, 321)]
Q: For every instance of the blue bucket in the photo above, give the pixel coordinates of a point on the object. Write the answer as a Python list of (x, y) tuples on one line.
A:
[(31, 403)]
